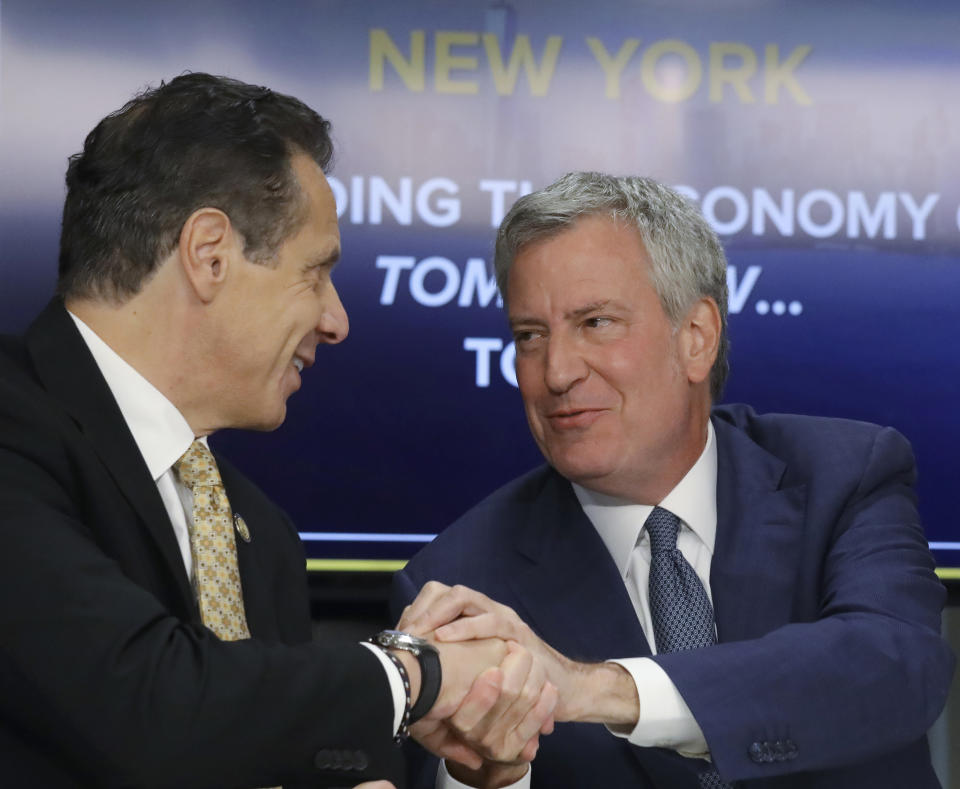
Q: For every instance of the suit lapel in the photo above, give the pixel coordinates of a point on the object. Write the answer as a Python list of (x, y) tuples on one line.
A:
[(253, 556), (68, 372), (570, 589), (759, 526)]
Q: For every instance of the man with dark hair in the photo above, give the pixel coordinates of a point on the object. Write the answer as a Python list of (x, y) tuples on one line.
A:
[(766, 576), (154, 625)]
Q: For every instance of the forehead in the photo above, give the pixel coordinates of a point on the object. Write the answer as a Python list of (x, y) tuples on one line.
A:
[(315, 187), (597, 257), (320, 228)]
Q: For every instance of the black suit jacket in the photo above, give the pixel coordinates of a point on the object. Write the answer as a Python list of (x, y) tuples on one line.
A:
[(829, 667), (107, 676)]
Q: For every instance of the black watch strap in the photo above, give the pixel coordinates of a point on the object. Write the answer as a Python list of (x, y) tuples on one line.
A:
[(431, 675), (430, 678)]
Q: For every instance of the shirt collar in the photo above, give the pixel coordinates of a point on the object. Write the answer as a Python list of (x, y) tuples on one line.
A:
[(160, 431), (693, 500)]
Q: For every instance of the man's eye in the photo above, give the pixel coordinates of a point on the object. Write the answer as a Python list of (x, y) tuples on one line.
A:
[(597, 322), (523, 337)]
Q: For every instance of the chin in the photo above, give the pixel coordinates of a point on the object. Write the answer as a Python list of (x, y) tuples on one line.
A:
[(580, 469), (274, 423), (265, 422)]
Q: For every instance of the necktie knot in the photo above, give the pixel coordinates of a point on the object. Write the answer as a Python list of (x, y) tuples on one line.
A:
[(197, 467), (662, 526)]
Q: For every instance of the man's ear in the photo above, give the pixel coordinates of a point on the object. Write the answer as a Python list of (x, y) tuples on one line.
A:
[(700, 339), (208, 247)]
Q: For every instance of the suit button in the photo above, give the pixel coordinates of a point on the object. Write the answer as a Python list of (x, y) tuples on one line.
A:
[(779, 751), (755, 752), (360, 760), (767, 747)]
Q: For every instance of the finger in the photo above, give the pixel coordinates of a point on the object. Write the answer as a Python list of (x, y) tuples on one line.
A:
[(539, 720), (512, 674), (425, 599), (479, 701), (495, 736), (442, 608), (529, 752), (430, 592), (516, 726), (523, 741), (442, 741), (458, 751), (483, 625), (554, 700)]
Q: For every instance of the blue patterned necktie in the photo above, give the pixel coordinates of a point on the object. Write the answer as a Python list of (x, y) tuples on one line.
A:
[(681, 610)]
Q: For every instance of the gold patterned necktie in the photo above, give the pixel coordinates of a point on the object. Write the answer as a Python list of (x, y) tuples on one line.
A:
[(216, 576)]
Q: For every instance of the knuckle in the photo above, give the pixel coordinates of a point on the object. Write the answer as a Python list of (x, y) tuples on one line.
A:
[(491, 744), (529, 696), (488, 695)]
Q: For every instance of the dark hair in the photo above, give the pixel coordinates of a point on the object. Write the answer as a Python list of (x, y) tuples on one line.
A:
[(196, 141), (686, 258)]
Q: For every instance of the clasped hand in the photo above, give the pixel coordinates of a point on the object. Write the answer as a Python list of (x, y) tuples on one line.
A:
[(497, 697)]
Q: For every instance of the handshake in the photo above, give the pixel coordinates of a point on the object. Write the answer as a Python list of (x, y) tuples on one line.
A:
[(502, 686)]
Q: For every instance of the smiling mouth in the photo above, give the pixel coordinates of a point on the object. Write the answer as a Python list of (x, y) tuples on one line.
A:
[(571, 413), (574, 418), (298, 363)]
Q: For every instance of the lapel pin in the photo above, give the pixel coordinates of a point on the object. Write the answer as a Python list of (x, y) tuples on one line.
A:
[(241, 526)]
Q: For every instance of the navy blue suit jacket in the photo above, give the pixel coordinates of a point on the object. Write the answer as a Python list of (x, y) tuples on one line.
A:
[(830, 667)]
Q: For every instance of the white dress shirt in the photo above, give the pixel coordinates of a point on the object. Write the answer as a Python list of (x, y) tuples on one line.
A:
[(159, 430), (665, 719), (162, 435)]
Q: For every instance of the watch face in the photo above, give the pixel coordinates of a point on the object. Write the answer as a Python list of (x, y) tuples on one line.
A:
[(397, 638), (400, 640)]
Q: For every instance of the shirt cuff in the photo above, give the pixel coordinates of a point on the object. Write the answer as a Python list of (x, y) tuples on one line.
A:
[(665, 719), (396, 685), (447, 781)]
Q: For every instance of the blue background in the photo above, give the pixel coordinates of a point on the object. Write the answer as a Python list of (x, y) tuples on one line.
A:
[(391, 433)]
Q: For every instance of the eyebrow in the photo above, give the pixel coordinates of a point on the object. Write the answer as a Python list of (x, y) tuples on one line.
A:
[(573, 314), (586, 309), (319, 261)]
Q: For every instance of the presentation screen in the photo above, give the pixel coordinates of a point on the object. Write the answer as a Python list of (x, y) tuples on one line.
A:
[(820, 140)]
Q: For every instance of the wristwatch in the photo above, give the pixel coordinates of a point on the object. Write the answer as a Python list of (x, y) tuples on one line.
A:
[(429, 660)]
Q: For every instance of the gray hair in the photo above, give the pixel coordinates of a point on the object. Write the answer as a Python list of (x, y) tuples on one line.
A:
[(687, 260)]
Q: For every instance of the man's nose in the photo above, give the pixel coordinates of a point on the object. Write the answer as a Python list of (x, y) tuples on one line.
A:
[(564, 364), (334, 325)]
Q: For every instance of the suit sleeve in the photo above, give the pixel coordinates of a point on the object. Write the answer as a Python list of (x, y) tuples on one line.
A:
[(866, 676), (117, 691)]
